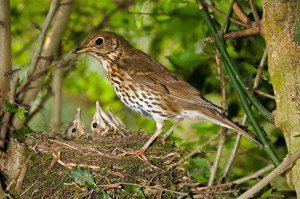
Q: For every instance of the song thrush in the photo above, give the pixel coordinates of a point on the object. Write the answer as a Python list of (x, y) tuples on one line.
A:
[(146, 86), (106, 125), (76, 128)]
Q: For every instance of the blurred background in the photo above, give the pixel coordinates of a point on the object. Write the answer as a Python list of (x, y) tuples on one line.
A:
[(171, 31)]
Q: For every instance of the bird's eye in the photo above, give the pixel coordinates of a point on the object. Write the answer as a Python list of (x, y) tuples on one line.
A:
[(94, 125), (99, 41), (73, 130)]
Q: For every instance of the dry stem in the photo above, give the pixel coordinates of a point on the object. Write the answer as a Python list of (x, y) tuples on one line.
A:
[(287, 162)]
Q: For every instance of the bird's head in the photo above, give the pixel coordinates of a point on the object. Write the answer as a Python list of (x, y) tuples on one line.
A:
[(101, 44)]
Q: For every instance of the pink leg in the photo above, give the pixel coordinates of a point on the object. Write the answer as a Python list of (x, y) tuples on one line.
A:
[(164, 137), (159, 128)]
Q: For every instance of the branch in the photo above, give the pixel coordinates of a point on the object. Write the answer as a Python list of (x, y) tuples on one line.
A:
[(38, 49), (237, 34), (254, 11), (38, 74), (214, 168), (241, 90), (287, 162), (241, 14), (223, 14)]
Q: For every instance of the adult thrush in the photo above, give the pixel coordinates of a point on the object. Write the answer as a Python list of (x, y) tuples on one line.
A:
[(146, 86)]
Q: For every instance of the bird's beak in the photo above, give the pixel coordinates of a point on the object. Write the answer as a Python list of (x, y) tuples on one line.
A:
[(80, 50)]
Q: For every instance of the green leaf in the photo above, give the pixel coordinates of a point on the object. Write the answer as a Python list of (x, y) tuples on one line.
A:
[(249, 68), (82, 176), (185, 59), (296, 136), (10, 107), (21, 114), (267, 194), (104, 196), (138, 190), (163, 17)]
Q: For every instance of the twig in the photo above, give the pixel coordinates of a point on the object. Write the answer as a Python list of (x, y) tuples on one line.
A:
[(62, 143), (53, 162), (70, 165), (38, 49), (81, 189), (254, 175), (235, 182), (117, 185), (37, 74), (260, 68), (12, 181), (233, 153), (199, 148), (21, 178), (263, 94), (223, 130), (223, 14), (254, 11), (29, 187), (241, 33), (240, 13), (7, 115), (287, 162), (226, 18)]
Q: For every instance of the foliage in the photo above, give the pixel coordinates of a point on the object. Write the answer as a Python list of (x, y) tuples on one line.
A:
[(172, 32), (83, 177)]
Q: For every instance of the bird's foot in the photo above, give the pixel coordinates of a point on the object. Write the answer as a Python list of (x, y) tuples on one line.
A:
[(132, 152), (163, 139)]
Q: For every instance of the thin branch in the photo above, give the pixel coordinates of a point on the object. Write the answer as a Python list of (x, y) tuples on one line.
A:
[(21, 178), (117, 185), (232, 35), (37, 74), (38, 49), (263, 94), (254, 11), (53, 162), (260, 69), (240, 13), (199, 148), (226, 18), (236, 182), (223, 14), (287, 162), (214, 168), (254, 175)]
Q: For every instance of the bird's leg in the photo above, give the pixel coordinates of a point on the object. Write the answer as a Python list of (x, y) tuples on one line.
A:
[(164, 137), (159, 128)]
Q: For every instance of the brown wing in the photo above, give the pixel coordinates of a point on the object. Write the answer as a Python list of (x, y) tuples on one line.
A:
[(152, 74)]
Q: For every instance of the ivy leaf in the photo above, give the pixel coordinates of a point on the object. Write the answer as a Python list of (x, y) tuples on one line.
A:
[(21, 114), (82, 176), (138, 190), (104, 196), (10, 107)]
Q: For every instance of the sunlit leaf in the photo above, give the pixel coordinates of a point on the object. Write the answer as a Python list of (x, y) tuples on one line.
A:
[(10, 107), (21, 114)]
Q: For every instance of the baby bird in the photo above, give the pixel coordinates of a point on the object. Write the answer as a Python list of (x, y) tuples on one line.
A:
[(76, 128), (104, 125)]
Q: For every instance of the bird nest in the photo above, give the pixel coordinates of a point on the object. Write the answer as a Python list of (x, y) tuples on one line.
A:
[(59, 168)]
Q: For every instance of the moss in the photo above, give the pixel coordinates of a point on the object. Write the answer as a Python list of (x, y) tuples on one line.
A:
[(113, 167)]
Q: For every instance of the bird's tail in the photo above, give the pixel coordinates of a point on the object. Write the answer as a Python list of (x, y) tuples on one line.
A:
[(220, 119)]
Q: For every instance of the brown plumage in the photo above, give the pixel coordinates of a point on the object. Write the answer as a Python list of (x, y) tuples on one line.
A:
[(76, 128), (146, 86), (104, 125)]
